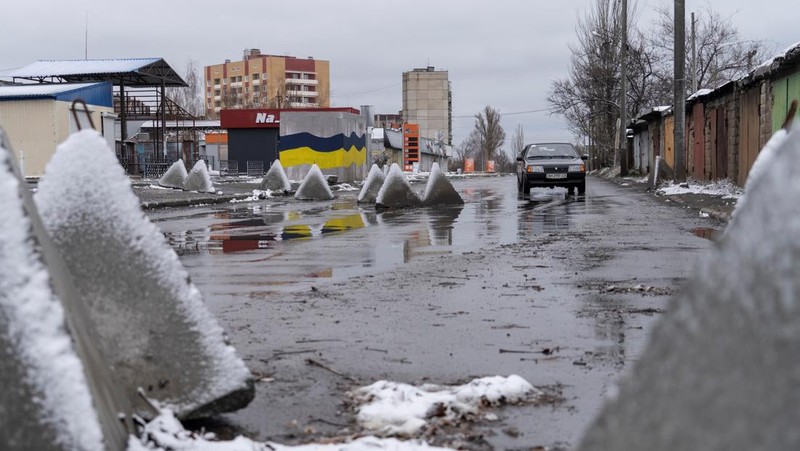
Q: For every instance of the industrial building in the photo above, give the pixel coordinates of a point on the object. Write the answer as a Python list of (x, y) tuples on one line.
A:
[(39, 117), (266, 81), (427, 101)]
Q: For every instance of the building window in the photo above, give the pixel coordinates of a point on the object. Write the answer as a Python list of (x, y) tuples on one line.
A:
[(216, 92), (255, 77), (217, 103), (256, 88), (216, 81)]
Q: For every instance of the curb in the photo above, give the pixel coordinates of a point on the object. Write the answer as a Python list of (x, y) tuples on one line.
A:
[(192, 202)]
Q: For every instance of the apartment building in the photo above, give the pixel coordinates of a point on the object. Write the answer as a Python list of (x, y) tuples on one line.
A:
[(427, 101), (266, 81)]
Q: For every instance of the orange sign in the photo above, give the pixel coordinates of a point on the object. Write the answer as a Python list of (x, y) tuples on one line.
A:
[(410, 144), (469, 165), (490, 166)]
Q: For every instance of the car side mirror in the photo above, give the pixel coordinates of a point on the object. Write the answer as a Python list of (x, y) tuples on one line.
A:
[(584, 157), (520, 159)]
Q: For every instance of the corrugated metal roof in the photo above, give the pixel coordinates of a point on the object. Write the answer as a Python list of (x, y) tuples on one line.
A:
[(134, 71), (91, 93), (41, 90)]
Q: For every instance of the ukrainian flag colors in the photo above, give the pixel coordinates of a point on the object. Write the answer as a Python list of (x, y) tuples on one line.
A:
[(338, 151)]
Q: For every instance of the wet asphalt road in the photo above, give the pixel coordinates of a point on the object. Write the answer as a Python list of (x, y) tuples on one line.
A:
[(561, 291)]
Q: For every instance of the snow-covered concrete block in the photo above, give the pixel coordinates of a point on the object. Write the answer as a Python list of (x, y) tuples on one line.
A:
[(369, 191), (314, 186), (199, 179), (721, 370), (56, 394), (396, 191), (155, 331), (439, 190), (275, 179), (175, 175)]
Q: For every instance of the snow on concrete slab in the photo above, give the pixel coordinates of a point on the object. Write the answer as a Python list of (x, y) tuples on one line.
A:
[(45, 401), (439, 190), (396, 191), (155, 330), (721, 370), (275, 179), (761, 166), (314, 186), (199, 179), (371, 187), (392, 408), (175, 175)]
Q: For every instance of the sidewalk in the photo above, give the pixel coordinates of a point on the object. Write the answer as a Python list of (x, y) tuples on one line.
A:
[(714, 199), (153, 196)]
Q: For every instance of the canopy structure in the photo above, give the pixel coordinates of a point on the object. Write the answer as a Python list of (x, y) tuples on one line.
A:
[(132, 72), (146, 80)]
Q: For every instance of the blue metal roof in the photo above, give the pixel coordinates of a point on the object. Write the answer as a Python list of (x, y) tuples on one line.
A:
[(99, 94)]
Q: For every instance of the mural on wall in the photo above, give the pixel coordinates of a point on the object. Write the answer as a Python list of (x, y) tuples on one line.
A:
[(336, 151)]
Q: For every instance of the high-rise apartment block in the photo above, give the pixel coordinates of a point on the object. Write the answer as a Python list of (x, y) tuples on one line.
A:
[(427, 101), (266, 81)]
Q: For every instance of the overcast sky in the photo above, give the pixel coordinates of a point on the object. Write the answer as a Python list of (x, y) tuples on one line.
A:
[(502, 53)]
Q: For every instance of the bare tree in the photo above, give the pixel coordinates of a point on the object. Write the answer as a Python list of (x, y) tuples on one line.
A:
[(470, 147), (722, 54), (588, 97), (491, 133), (189, 98)]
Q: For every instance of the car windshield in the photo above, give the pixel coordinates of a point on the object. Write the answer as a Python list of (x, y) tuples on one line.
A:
[(550, 151)]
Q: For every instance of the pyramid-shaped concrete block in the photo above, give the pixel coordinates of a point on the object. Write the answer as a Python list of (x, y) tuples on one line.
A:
[(369, 192), (275, 179), (57, 394), (199, 179), (396, 191), (175, 175), (721, 368), (314, 186), (155, 331), (439, 190)]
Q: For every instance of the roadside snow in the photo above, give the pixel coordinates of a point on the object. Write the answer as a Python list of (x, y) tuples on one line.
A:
[(165, 432), (394, 408), (723, 188), (257, 195)]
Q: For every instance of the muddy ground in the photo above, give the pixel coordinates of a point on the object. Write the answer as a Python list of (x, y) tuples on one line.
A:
[(320, 298)]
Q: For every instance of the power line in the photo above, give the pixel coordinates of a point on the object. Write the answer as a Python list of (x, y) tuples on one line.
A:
[(367, 92)]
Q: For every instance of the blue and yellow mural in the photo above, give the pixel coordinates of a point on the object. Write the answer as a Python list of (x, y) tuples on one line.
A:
[(338, 151)]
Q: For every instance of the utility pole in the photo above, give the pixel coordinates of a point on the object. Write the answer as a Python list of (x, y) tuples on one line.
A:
[(694, 55), (622, 154), (679, 97)]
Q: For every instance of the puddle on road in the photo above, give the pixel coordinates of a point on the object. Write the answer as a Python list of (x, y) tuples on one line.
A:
[(708, 233), (341, 239)]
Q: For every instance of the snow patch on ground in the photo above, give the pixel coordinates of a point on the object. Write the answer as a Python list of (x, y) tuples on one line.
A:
[(392, 408), (723, 188), (257, 195), (165, 432)]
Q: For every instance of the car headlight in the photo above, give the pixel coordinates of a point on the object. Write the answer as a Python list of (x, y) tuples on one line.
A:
[(577, 168), (535, 168)]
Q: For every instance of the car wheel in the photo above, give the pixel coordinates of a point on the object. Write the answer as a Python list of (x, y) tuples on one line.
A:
[(582, 189), (519, 185), (526, 187), (571, 191)]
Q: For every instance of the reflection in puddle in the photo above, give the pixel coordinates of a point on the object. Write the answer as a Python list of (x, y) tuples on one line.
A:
[(706, 232)]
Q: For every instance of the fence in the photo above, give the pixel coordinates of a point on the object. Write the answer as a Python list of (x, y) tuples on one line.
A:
[(156, 167), (228, 167), (255, 168)]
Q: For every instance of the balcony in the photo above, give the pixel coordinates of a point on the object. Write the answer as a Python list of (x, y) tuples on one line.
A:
[(302, 93), (300, 81)]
